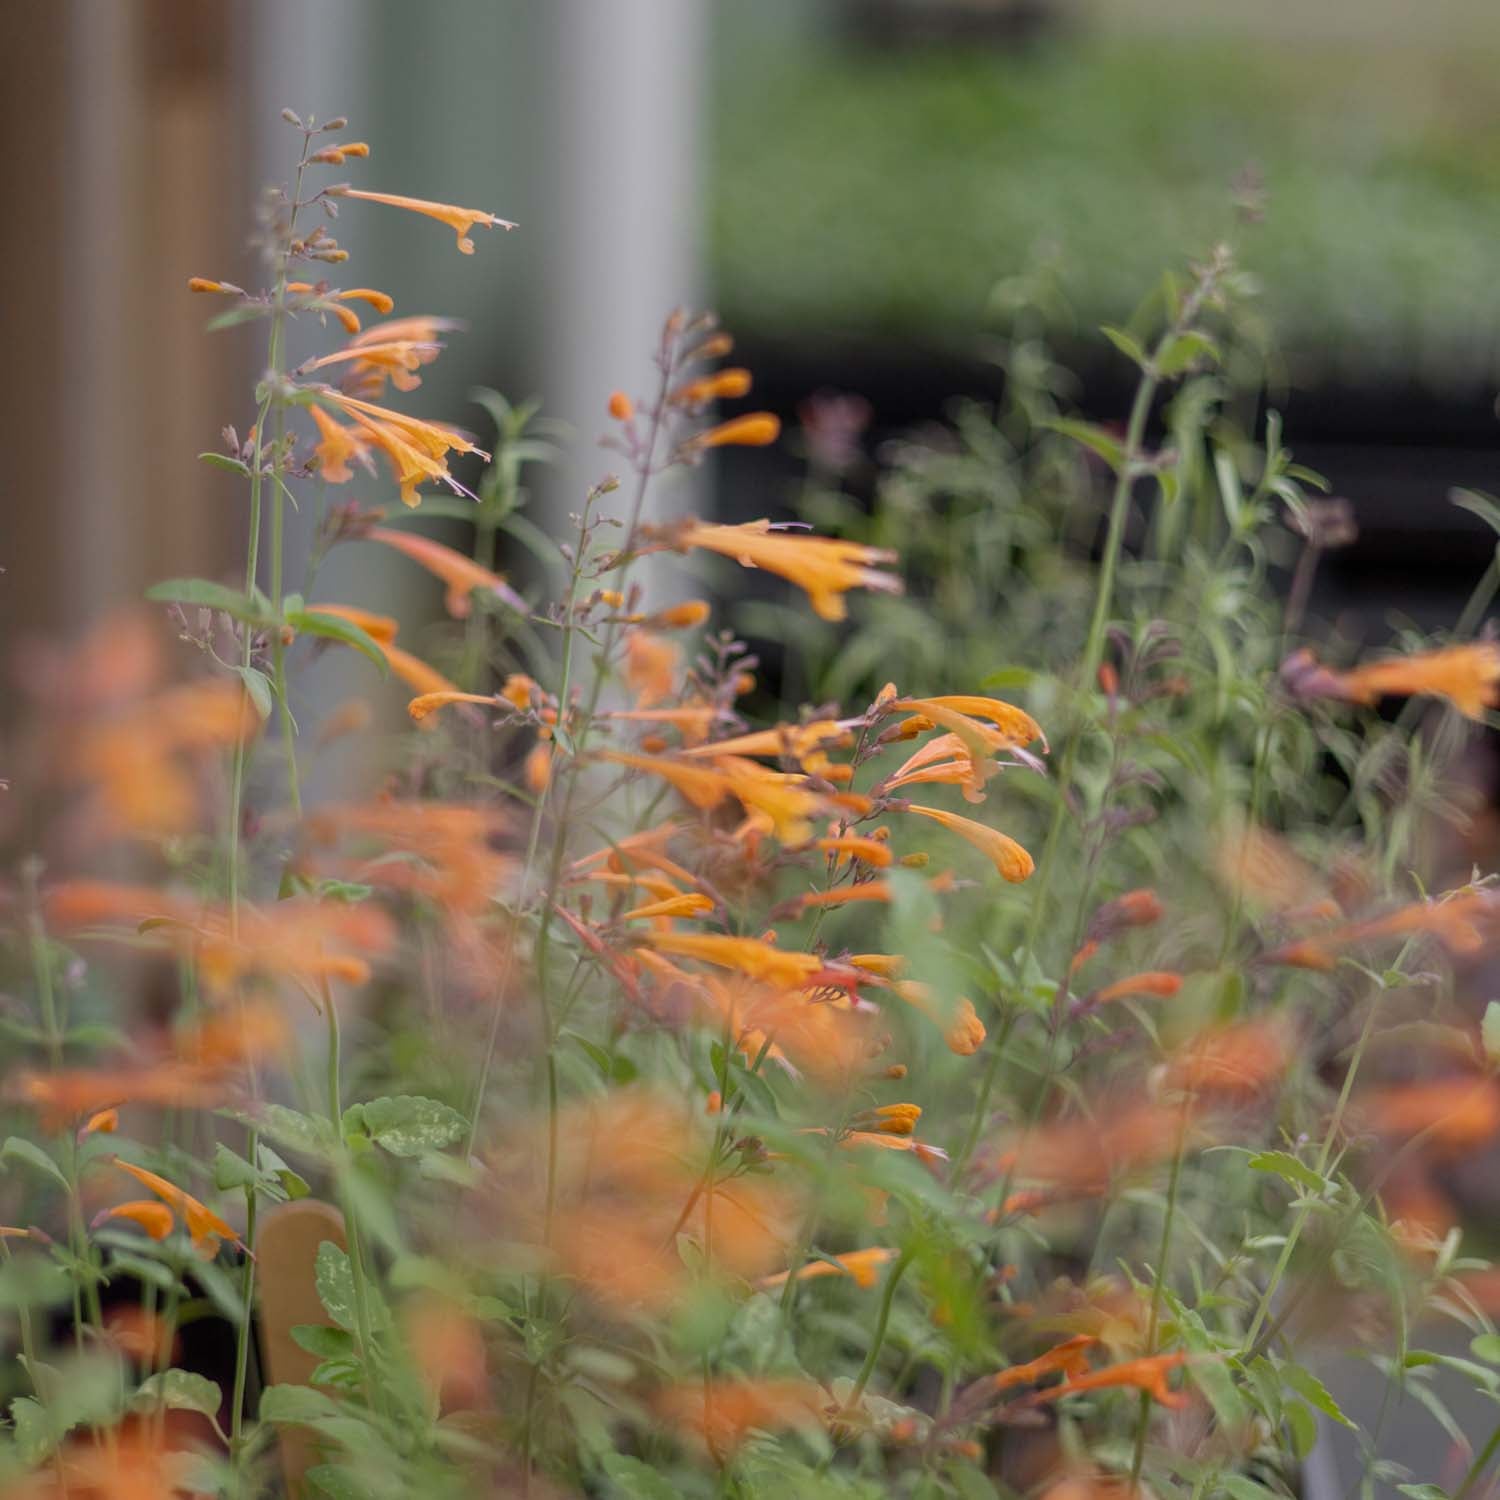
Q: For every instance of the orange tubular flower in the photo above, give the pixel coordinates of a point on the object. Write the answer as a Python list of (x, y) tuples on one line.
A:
[(380, 628), (1067, 1358), (723, 1413), (428, 703), (1464, 923), (756, 429), (204, 1226), (337, 446), (945, 761), (396, 359), (748, 956), (1156, 984), (416, 451), (1014, 728), (688, 904), (874, 852), (65, 1097), (621, 407), (823, 567), (723, 385), (1148, 1375), (459, 220), (651, 666), (1237, 1061), (462, 575), (1010, 859), (797, 742), (1457, 1114), (1468, 676), (415, 673), (962, 1029), (860, 1266)]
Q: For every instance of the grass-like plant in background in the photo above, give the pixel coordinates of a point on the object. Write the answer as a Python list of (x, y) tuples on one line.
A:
[(924, 1093)]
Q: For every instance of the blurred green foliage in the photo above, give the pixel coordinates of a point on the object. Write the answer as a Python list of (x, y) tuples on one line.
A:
[(885, 192)]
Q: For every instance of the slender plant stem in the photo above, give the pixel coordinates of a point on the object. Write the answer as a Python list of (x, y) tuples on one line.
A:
[(882, 1322), (1477, 1468)]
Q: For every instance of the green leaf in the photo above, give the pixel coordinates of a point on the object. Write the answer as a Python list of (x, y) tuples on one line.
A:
[(1127, 344), (1489, 1032), (325, 1342), (181, 1390), (1486, 1347), (28, 1151), (310, 1134), (33, 1432), (408, 1125), (210, 595), (1303, 1427), (1314, 1392), (336, 628), (1284, 1164), (232, 1170), (1423, 1491), (1184, 351), (223, 461), (258, 686), (636, 1480), (335, 1283), (295, 1403), (293, 1184), (1094, 438), (337, 1482)]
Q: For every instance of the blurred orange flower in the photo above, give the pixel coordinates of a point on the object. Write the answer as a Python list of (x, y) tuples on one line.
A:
[(824, 568)]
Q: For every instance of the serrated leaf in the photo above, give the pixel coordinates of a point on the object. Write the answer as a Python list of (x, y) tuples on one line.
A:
[(296, 1403), (1314, 1392), (1126, 343), (325, 1342), (232, 1170), (181, 1390), (409, 1125), (224, 461), (33, 1432), (1284, 1164), (1303, 1427), (1184, 351), (19, 1149), (1096, 439), (335, 1283), (208, 594), (257, 688), (310, 1134), (336, 628)]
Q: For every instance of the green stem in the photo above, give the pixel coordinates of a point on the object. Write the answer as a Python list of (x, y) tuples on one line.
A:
[(1143, 1420), (882, 1322), (1477, 1468)]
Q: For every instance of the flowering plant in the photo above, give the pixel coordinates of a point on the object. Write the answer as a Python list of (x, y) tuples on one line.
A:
[(916, 1094)]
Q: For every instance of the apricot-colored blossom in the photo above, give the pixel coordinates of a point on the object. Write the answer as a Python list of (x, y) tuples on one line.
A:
[(722, 1413), (381, 629), (652, 664), (823, 567), (1158, 984), (336, 446), (748, 956), (756, 429), (1148, 1375), (1454, 1114), (860, 1266), (1464, 923), (1069, 1358), (462, 575), (1467, 675), (722, 385), (459, 220), (203, 1225), (1009, 858), (416, 451)]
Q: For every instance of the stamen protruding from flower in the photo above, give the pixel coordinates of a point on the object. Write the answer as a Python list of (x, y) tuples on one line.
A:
[(459, 220)]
